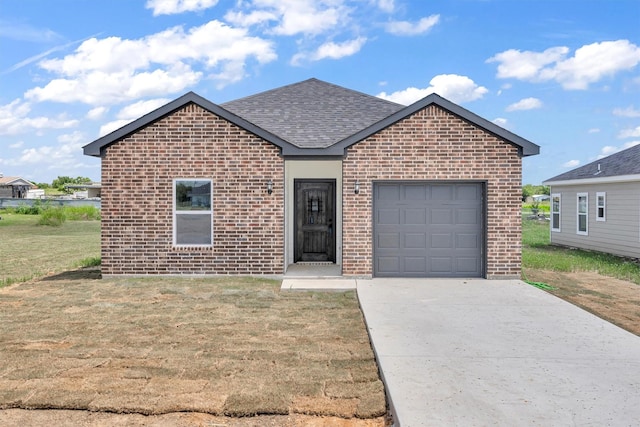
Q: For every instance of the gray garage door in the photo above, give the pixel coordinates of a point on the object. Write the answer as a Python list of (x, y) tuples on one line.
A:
[(427, 229)]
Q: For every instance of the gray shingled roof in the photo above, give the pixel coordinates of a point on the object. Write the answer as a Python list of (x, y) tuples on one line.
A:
[(626, 162), (311, 118), (312, 113)]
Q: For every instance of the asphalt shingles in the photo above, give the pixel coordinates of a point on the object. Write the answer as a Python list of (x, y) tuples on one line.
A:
[(312, 113)]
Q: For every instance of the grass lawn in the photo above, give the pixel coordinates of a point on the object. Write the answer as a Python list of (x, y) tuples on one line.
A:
[(28, 250), (602, 284), (537, 253), (227, 347)]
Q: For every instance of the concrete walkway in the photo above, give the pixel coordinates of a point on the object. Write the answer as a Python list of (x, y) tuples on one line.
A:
[(499, 353)]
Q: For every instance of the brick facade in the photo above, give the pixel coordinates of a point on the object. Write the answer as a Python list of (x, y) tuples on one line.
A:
[(433, 144), (137, 206)]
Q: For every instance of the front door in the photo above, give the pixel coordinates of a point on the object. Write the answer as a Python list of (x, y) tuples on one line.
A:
[(315, 220)]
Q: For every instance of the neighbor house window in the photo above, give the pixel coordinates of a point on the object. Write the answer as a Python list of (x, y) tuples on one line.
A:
[(555, 212), (192, 220), (601, 203), (583, 216)]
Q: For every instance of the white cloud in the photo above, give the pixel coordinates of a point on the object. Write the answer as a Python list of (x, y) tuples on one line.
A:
[(453, 87), (406, 28), (339, 50), (571, 164), (114, 125), (593, 130), (525, 104), (630, 133), (18, 144), (590, 63), (65, 153), (526, 65), (308, 17), (132, 112), (112, 70), (608, 150), (248, 19), (387, 6), (140, 108), (14, 119), (171, 7), (501, 121), (630, 111), (97, 113)]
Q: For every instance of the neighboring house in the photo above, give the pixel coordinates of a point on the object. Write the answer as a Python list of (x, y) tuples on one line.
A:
[(597, 206), (14, 187), (87, 191), (312, 173)]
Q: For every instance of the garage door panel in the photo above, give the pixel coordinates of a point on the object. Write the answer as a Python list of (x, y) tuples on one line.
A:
[(441, 216), (413, 265), (388, 241), (468, 192), (467, 265), (389, 216), (441, 192), (428, 229), (415, 216), (467, 241), (441, 265), (415, 241), (441, 240), (388, 264), (414, 192), (467, 216), (388, 192)]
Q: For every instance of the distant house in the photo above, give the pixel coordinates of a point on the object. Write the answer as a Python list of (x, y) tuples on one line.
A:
[(312, 173), (85, 191), (597, 206), (14, 187)]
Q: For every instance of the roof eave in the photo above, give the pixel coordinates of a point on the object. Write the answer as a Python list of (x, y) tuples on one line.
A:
[(597, 180), (94, 148)]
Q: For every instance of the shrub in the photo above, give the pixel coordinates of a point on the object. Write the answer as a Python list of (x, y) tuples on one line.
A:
[(82, 213), (90, 262), (36, 209), (54, 217)]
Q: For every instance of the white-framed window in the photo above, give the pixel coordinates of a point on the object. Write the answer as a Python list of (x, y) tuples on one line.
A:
[(555, 212), (192, 213), (583, 214), (601, 206)]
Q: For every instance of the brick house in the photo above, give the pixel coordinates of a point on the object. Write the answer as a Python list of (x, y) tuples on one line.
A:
[(312, 173)]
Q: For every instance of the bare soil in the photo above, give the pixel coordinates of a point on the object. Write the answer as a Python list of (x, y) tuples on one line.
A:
[(614, 300), (80, 351)]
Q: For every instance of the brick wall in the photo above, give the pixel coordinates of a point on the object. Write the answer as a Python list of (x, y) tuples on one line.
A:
[(137, 179), (434, 144)]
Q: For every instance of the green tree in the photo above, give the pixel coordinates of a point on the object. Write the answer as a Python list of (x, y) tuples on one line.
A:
[(529, 190), (60, 182)]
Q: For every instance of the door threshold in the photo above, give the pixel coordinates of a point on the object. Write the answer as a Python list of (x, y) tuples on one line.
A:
[(314, 270)]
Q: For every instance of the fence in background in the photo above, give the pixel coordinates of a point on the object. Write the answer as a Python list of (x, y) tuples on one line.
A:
[(14, 203)]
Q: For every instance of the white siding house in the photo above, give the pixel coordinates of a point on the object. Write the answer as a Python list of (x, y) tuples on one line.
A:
[(597, 206)]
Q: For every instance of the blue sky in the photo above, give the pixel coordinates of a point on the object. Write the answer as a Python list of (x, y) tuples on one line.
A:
[(564, 74)]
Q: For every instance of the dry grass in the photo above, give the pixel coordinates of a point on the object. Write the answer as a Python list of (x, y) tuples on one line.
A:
[(235, 347)]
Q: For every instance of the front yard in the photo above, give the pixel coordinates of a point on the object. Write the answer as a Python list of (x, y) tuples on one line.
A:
[(233, 347)]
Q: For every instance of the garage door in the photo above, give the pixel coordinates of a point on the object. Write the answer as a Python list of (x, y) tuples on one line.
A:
[(427, 229)]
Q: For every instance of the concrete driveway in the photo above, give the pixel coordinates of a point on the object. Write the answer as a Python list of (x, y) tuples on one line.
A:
[(498, 352)]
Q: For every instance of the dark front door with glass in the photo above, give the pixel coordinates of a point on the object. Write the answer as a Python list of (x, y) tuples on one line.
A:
[(315, 220)]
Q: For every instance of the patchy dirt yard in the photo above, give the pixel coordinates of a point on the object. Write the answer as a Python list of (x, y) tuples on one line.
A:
[(183, 352), (615, 300)]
